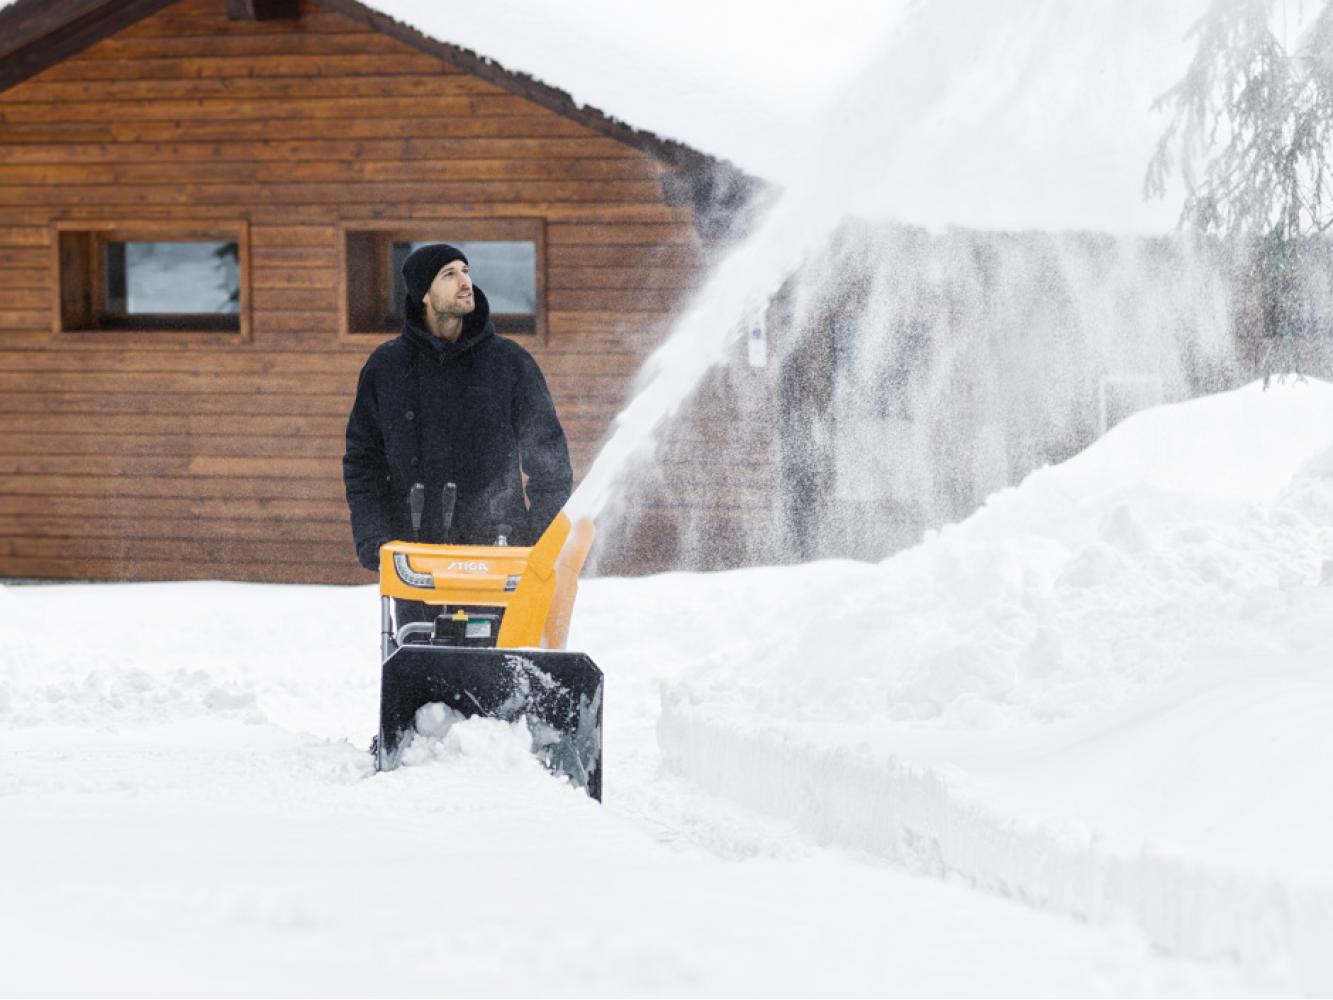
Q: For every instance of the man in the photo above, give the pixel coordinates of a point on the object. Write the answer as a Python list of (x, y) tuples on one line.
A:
[(448, 401)]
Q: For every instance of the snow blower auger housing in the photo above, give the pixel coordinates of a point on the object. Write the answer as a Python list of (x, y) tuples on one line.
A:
[(481, 629)]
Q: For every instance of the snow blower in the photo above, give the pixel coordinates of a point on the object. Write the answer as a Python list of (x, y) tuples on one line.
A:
[(481, 629)]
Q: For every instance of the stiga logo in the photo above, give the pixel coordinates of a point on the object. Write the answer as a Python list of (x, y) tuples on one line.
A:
[(472, 566)]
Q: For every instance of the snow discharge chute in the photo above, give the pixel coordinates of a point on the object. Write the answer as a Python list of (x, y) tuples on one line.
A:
[(481, 629)]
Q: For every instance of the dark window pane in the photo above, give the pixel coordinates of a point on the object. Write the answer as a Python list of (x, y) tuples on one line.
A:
[(172, 278)]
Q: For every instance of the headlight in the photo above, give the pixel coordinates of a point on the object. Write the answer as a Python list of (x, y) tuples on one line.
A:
[(410, 576)]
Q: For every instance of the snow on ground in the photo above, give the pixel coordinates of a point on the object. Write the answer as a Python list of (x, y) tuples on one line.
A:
[(1104, 695), (188, 810)]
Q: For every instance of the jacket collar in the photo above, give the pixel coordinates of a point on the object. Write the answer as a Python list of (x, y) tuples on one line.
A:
[(477, 327)]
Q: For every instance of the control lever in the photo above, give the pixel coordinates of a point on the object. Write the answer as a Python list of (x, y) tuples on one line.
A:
[(502, 534), (447, 510), (416, 500)]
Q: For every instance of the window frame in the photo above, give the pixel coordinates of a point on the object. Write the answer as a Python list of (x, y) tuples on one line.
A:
[(385, 232), (79, 287)]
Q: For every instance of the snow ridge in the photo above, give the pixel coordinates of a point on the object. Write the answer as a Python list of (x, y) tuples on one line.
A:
[(919, 818)]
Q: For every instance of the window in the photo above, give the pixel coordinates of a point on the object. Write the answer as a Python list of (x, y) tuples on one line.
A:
[(162, 278), (156, 277), (504, 257)]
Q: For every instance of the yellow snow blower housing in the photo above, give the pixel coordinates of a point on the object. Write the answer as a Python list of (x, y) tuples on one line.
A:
[(529, 590), (482, 629)]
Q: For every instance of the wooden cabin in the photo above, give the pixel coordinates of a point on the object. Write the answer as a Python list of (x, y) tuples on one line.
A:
[(286, 153)]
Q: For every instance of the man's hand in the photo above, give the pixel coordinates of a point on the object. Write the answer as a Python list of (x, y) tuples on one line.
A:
[(368, 553)]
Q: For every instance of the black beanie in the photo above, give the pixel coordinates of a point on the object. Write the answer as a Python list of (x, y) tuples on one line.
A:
[(423, 264)]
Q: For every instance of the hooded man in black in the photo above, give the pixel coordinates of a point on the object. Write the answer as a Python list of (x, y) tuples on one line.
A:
[(448, 401)]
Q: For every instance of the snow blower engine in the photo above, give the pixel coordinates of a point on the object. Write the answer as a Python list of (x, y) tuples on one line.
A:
[(481, 629)]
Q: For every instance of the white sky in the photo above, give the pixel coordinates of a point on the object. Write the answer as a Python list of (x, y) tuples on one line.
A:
[(728, 77)]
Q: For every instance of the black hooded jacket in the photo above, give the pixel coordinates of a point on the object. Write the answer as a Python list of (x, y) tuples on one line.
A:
[(469, 413)]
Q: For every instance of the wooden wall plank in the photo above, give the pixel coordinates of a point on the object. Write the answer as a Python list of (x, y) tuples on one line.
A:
[(324, 150), (409, 109), (41, 400), (134, 526), (25, 236), (136, 91), (260, 128), (349, 170), (175, 550), (210, 65), (145, 358), (167, 486), (496, 193), (604, 216), (325, 447), (19, 277), (162, 428), (172, 23), (129, 48), (190, 383), (153, 512)]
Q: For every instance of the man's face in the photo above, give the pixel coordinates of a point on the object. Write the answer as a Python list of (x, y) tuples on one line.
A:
[(450, 294)]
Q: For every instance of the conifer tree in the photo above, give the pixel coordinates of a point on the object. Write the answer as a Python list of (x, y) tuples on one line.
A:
[(1251, 124)]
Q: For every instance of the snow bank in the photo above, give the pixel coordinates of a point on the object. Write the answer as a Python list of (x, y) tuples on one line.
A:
[(1137, 562), (1107, 691)]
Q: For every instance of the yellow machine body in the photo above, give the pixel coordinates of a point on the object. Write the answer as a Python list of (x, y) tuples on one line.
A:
[(534, 585)]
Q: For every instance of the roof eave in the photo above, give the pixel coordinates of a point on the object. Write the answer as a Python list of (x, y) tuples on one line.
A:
[(37, 34)]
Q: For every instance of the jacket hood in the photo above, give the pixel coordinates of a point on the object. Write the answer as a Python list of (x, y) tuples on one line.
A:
[(477, 327)]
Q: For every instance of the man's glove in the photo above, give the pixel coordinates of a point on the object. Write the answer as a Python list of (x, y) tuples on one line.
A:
[(368, 553)]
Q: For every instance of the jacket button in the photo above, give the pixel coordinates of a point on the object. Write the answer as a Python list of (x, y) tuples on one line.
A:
[(415, 461), (410, 415)]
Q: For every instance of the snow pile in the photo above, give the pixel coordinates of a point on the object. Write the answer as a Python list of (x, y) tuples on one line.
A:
[(442, 734), (1185, 535), (1105, 692)]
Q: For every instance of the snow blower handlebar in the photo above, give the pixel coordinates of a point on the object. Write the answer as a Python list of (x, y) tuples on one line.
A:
[(447, 501), (416, 501)]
